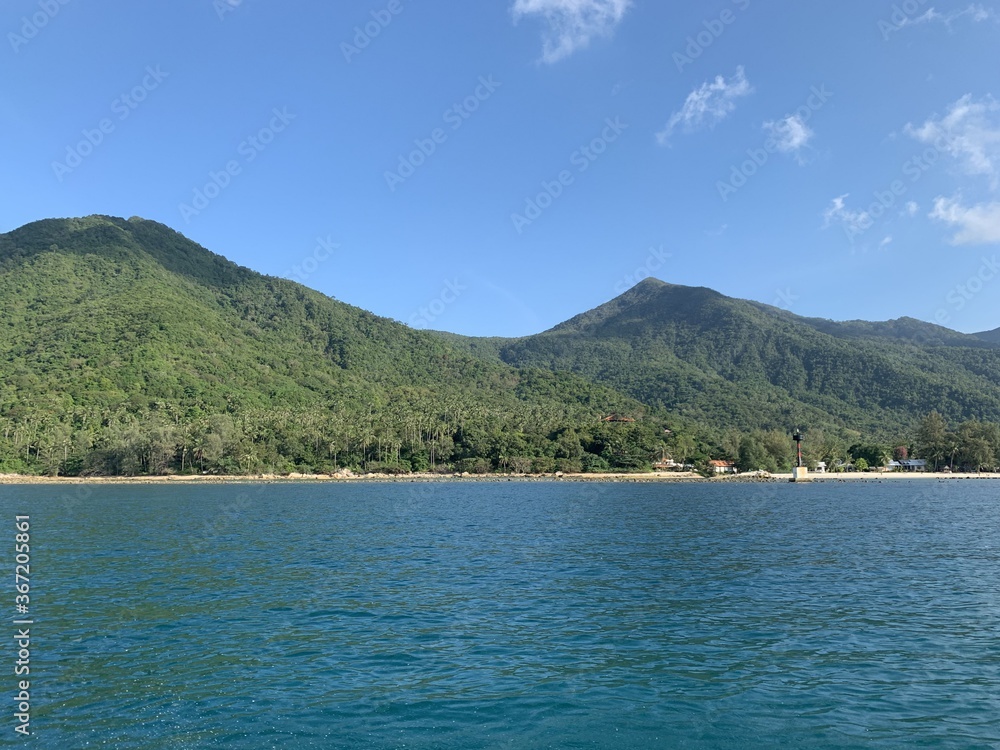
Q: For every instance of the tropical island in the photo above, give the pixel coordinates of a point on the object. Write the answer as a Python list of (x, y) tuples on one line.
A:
[(129, 350)]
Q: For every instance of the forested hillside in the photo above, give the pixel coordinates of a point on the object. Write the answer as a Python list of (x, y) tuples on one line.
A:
[(126, 348), (732, 363)]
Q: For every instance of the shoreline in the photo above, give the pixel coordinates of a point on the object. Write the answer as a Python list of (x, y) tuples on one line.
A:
[(682, 477)]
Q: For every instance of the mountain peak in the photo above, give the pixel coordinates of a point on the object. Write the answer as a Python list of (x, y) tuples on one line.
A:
[(651, 282), (121, 239), (648, 300)]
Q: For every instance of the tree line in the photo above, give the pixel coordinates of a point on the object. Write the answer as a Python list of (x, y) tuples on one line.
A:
[(970, 446), (457, 437), (453, 438)]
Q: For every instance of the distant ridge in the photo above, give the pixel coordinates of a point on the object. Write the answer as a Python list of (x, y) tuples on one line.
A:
[(992, 337), (725, 361)]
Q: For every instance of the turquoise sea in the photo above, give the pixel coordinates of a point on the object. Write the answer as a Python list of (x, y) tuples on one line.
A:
[(510, 615)]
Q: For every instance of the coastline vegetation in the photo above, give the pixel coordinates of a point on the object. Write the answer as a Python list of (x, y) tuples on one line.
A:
[(126, 349)]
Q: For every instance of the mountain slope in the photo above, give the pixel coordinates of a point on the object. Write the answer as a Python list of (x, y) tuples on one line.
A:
[(990, 337), (107, 323), (735, 363), (126, 348)]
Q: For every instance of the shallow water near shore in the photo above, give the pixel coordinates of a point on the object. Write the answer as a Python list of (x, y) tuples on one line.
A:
[(509, 615)]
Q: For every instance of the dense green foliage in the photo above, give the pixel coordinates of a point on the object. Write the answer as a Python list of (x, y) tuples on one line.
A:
[(126, 349), (972, 446), (731, 363)]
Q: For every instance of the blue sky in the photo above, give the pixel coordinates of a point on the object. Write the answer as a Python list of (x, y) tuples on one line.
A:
[(494, 168)]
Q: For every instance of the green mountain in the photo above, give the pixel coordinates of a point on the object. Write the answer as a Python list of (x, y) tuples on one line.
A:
[(733, 363), (991, 337), (126, 348)]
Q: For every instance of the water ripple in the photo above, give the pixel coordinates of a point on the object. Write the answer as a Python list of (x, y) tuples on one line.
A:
[(517, 616)]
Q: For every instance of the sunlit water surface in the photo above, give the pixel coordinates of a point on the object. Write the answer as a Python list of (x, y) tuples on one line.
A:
[(513, 615)]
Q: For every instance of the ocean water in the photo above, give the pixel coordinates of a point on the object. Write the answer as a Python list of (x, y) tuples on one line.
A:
[(510, 615)]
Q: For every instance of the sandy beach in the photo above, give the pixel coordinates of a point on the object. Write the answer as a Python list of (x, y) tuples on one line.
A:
[(11, 479)]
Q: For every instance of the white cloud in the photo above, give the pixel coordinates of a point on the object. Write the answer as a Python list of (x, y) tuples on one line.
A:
[(931, 15), (572, 23), (790, 134), (886, 241), (977, 225), (979, 13), (969, 132), (912, 208), (707, 105), (854, 222), (976, 12)]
